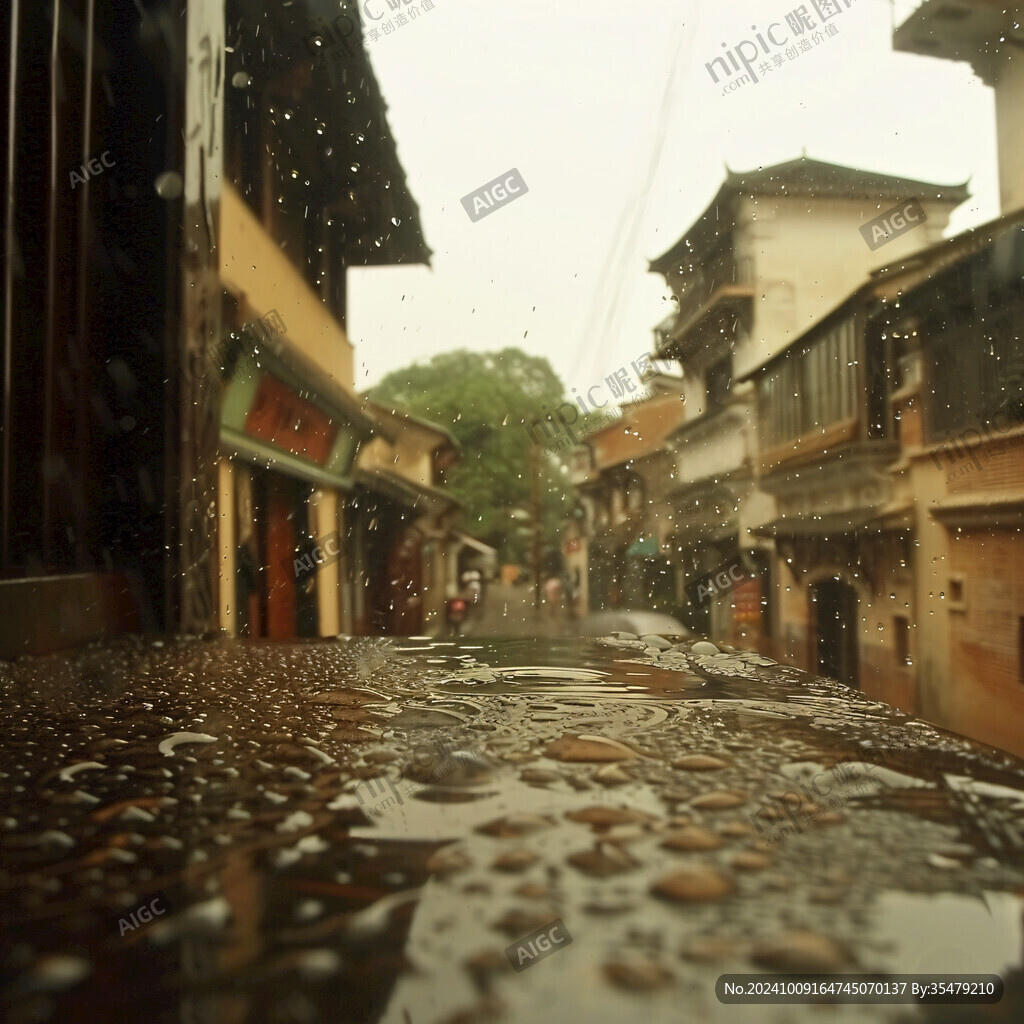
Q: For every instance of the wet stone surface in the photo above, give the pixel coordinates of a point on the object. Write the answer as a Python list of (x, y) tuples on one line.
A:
[(356, 830)]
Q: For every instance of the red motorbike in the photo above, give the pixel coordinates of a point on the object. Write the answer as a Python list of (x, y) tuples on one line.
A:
[(456, 610)]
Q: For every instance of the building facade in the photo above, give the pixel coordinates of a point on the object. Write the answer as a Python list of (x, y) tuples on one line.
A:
[(890, 437), (774, 251), (89, 376), (615, 551), (406, 563), (180, 427)]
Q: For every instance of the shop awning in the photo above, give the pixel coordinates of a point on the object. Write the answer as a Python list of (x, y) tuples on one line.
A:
[(281, 411), (864, 520), (478, 545), (621, 534), (420, 497), (1003, 510), (644, 547)]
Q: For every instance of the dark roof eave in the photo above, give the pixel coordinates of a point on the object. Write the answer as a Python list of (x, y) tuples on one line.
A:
[(398, 488), (834, 524), (388, 231), (376, 410), (802, 176)]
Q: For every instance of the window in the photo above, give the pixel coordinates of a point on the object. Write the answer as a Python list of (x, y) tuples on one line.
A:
[(811, 388), (719, 378), (956, 596), (973, 365), (901, 640), (1020, 650)]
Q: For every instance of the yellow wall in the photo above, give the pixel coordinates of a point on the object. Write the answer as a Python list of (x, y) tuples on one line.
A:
[(323, 509), (1009, 96), (254, 269), (808, 256), (410, 456), (968, 670), (226, 543)]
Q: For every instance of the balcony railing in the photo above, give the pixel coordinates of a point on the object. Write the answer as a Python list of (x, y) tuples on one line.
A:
[(699, 287), (719, 446)]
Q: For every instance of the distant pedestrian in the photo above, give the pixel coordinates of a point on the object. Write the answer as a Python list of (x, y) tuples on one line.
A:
[(472, 586), (553, 591), (572, 593)]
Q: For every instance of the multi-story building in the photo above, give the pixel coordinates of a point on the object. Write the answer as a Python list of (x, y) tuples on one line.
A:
[(774, 251), (988, 35), (180, 426), (405, 557), (615, 551), (963, 366), (897, 546), (959, 334), (89, 381), (861, 453), (314, 186)]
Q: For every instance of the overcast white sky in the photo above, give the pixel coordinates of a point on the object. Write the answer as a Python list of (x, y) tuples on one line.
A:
[(607, 111)]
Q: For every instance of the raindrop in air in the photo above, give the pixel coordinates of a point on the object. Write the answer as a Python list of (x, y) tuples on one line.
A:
[(240, 80), (169, 185)]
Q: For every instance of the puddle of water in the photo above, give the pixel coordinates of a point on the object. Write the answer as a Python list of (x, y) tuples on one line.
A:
[(409, 817), (947, 933), (263, 778)]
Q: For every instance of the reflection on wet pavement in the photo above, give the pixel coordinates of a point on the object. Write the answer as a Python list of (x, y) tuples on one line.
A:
[(357, 830)]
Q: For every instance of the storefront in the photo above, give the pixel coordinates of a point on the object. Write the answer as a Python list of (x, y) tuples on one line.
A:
[(288, 450), (405, 553)]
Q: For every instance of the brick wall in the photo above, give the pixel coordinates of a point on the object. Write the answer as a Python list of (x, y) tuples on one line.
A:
[(985, 687)]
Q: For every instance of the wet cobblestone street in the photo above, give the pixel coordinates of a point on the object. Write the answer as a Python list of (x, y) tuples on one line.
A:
[(356, 830)]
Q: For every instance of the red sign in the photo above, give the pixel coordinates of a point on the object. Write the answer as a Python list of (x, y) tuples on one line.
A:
[(746, 600), (284, 419)]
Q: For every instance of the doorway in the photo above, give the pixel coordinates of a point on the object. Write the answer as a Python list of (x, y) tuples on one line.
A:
[(280, 605), (834, 613)]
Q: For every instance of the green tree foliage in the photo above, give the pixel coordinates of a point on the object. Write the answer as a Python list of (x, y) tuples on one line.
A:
[(485, 399)]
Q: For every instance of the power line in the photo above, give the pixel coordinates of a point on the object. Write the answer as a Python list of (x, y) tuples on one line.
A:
[(620, 256)]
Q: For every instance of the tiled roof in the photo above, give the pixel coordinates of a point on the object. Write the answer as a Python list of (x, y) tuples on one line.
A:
[(641, 431), (803, 177)]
